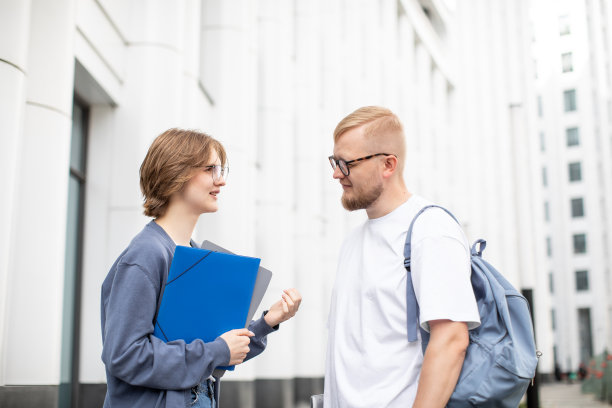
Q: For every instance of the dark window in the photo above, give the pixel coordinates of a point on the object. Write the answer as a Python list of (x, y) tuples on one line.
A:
[(544, 177), (572, 136), (548, 247), (69, 368), (551, 282), (553, 319), (577, 207), (542, 142), (580, 244), (584, 332), (546, 211), (575, 171), (566, 62), (569, 100), (582, 280)]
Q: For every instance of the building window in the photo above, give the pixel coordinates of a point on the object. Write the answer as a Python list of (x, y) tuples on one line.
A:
[(564, 25), (546, 211), (572, 136), (566, 62), (551, 283), (544, 177), (569, 100), (575, 171), (542, 142), (553, 319), (582, 280), (585, 335), (540, 108), (577, 207), (580, 243), (548, 247), (73, 271)]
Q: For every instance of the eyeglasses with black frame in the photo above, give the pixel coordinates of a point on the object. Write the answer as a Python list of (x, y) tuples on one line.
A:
[(218, 172), (344, 165)]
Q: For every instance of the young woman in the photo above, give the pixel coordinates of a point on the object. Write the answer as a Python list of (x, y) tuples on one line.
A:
[(180, 178)]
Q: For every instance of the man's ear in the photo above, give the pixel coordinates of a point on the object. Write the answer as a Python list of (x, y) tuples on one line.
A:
[(390, 166)]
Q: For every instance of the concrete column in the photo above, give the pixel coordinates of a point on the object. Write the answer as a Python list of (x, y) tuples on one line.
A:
[(228, 74), (15, 23), (422, 146), (310, 168), (151, 104), (34, 301), (276, 163)]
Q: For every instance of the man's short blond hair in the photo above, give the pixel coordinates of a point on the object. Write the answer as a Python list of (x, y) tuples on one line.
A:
[(382, 127), (380, 121)]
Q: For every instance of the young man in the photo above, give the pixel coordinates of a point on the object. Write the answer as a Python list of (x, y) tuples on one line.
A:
[(180, 178), (370, 362)]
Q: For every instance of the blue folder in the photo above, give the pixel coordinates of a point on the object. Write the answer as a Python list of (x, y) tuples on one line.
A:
[(207, 293)]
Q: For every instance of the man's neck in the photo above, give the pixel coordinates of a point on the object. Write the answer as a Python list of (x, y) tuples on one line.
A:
[(179, 225), (388, 201)]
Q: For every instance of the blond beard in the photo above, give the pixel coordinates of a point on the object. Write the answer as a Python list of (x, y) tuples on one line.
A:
[(363, 200)]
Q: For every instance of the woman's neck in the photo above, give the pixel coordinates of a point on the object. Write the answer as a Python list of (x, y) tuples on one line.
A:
[(178, 225)]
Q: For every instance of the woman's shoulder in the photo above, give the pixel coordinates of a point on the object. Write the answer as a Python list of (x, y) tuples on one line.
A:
[(148, 250)]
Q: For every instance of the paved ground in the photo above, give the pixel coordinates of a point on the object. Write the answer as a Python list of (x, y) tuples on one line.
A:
[(566, 396)]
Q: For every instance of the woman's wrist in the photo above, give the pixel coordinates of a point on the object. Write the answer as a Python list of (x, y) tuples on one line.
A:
[(269, 321)]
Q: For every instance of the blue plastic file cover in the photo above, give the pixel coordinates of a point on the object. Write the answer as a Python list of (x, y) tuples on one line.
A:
[(206, 294)]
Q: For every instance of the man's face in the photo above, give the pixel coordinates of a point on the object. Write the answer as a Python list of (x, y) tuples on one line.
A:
[(363, 186)]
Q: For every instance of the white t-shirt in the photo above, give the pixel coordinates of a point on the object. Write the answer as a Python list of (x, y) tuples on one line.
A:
[(370, 362)]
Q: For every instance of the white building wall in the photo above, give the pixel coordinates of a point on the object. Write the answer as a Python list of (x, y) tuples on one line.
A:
[(270, 79), (590, 78)]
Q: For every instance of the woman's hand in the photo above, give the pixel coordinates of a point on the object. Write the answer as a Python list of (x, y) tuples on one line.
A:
[(285, 308), (238, 342)]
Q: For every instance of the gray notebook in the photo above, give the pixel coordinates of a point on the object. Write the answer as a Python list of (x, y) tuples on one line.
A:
[(261, 282)]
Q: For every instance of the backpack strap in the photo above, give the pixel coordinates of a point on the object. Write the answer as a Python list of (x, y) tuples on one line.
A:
[(412, 306)]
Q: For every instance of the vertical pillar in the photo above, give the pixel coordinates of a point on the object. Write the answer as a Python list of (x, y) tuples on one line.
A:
[(228, 74), (14, 20), (310, 168), (34, 301), (276, 183)]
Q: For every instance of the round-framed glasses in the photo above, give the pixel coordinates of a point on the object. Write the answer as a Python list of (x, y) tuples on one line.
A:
[(345, 166), (218, 172)]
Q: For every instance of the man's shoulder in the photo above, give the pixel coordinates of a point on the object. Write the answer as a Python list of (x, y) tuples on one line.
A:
[(437, 223)]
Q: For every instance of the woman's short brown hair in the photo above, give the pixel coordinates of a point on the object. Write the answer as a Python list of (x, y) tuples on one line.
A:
[(170, 164)]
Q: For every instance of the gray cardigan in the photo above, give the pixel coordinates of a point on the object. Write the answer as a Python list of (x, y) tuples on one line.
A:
[(142, 370)]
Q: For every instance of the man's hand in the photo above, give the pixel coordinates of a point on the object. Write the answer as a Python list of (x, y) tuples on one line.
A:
[(285, 308), (238, 342)]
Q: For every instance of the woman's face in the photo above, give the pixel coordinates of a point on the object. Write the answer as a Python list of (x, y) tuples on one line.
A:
[(200, 193)]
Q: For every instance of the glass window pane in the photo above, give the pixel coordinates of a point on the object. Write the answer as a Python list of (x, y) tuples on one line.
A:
[(566, 62), (77, 142), (577, 207), (582, 280), (544, 177), (572, 136), (575, 172), (546, 211), (548, 247), (569, 100), (579, 243)]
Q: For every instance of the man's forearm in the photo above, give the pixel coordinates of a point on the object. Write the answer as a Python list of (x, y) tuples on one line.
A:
[(442, 363)]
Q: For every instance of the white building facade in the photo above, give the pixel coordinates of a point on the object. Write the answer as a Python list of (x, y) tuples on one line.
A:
[(572, 47), (88, 84)]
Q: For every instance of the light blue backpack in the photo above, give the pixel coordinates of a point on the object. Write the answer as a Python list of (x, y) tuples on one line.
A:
[(501, 358)]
